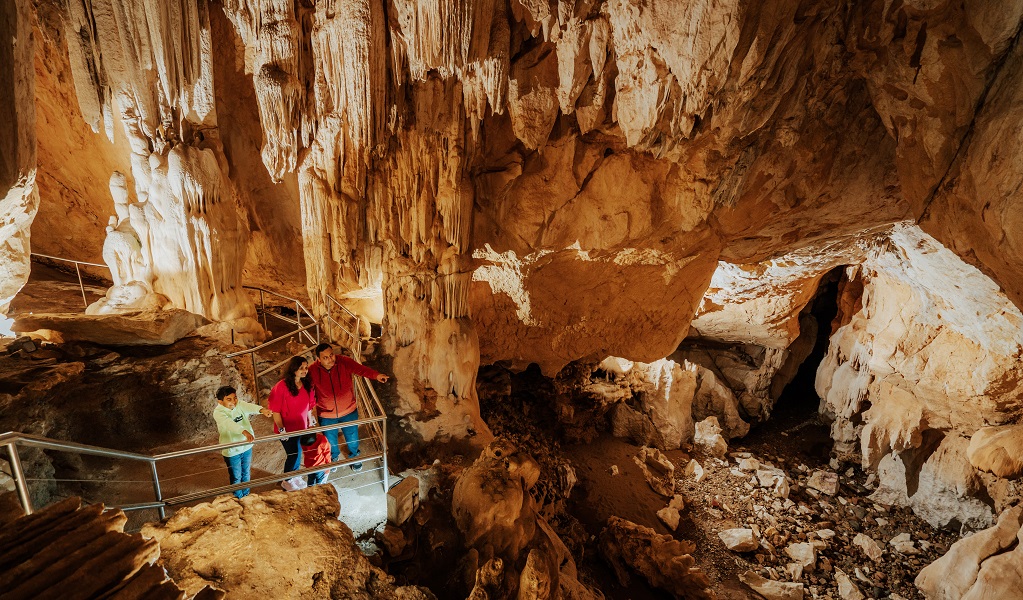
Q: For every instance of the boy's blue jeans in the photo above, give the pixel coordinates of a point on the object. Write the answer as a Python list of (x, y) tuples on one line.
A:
[(351, 434), (238, 470)]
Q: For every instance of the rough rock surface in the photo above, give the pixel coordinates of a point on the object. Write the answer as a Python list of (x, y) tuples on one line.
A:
[(665, 562), (906, 384), (772, 590), (988, 564), (277, 544), (19, 199), (538, 183), (145, 328), (998, 450), (491, 501)]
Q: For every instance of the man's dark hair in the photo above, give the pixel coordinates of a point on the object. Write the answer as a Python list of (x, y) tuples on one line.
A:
[(307, 440), (320, 348), (224, 391)]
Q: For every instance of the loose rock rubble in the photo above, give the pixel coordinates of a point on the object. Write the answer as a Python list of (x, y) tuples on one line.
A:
[(793, 531)]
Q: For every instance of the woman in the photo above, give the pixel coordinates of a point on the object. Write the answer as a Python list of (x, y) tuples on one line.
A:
[(292, 402)]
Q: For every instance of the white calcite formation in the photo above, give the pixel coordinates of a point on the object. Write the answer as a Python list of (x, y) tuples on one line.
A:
[(549, 182), (988, 564), (19, 200), (929, 354), (181, 240)]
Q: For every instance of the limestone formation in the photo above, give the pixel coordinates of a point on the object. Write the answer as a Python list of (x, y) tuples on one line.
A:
[(984, 565), (739, 540), (491, 502), (772, 590), (998, 450), (152, 327), (185, 216), (895, 355), (276, 544), (708, 437), (665, 562), (19, 200)]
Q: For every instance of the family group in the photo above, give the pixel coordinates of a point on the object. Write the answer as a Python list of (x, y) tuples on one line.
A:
[(306, 394)]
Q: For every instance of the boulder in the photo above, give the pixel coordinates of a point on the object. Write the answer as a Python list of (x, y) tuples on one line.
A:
[(824, 481), (739, 540), (271, 545), (708, 437), (665, 562), (847, 590), (491, 501), (803, 554), (657, 469), (145, 328), (772, 590), (998, 450), (987, 564), (869, 546)]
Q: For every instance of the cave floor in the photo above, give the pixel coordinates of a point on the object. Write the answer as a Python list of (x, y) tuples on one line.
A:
[(795, 440)]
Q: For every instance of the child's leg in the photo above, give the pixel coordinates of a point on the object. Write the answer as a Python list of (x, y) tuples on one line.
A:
[(246, 466), (234, 472), (317, 478)]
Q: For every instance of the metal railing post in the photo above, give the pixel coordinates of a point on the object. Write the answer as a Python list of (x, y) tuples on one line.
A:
[(81, 286), (317, 333), (262, 307), (298, 317), (255, 378), (18, 473), (383, 437), (156, 490)]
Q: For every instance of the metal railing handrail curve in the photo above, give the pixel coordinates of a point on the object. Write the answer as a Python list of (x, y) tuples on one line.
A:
[(12, 439), (78, 270)]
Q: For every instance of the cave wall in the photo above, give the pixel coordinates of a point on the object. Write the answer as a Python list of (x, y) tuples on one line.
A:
[(534, 182), (20, 199)]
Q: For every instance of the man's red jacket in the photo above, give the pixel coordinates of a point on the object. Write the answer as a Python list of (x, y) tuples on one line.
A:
[(334, 397)]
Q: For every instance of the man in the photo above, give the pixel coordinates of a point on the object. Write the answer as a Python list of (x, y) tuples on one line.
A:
[(232, 419), (335, 398)]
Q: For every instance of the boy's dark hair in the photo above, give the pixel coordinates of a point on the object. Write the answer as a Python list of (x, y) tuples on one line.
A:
[(307, 440), (224, 391), (320, 348)]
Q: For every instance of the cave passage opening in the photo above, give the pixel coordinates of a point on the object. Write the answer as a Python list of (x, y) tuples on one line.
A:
[(799, 399)]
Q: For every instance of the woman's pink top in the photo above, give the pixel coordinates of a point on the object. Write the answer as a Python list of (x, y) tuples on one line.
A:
[(294, 410)]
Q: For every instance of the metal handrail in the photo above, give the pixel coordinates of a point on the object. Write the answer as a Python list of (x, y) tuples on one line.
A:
[(13, 439), (78, 271)]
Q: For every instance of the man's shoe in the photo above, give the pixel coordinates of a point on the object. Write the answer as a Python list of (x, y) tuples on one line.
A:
[(357, 467)]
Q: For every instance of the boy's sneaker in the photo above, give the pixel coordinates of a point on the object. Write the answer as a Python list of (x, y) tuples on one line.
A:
[(357, 467)]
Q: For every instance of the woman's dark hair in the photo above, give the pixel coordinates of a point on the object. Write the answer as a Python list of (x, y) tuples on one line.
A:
[(294, 365)]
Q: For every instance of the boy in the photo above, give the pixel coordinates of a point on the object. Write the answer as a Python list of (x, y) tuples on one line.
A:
[(315, 452), (232, 419)]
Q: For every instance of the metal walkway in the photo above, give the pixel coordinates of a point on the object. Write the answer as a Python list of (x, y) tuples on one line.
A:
[(337, 324)]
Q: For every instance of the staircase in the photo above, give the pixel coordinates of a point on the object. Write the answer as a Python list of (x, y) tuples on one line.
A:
[(69, 552)]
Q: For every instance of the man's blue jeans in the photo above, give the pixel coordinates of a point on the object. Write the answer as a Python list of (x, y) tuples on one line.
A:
[(238, 470), (351, 435)]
